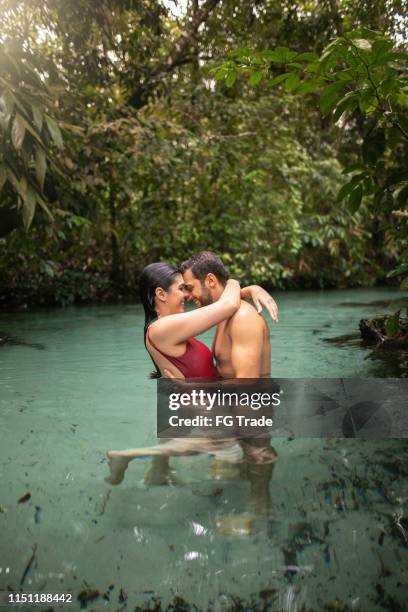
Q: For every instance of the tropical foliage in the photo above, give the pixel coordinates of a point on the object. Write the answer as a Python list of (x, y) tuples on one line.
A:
[(28, 135), (127, 138), (359, 71)]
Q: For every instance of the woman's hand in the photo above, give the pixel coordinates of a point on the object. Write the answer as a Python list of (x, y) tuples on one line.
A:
[(260, 298)]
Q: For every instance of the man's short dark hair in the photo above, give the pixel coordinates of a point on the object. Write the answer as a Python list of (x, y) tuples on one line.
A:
[(204, 263)]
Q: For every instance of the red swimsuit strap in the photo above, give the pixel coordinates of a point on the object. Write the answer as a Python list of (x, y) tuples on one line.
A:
[(195, 362)]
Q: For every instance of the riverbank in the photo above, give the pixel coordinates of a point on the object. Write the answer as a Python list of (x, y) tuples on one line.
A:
[(76, 288)]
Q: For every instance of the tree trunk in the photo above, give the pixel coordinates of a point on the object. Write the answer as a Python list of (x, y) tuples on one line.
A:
[(115, 263)]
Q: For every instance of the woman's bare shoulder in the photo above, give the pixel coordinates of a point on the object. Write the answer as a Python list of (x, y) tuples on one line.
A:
[(161, 326)]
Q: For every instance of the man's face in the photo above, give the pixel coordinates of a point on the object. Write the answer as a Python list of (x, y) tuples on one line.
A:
[(199, 293)]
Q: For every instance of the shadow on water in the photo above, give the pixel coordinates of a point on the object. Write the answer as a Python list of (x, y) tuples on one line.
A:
[(387, 363), (373, 304), (6, 339), (400, 302)]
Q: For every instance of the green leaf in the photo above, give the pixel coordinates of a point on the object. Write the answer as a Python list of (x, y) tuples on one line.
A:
[(388, 85), (13, 179), (280, 55), (49, 268), (380, 48), (368, 103), (221, 74), (357, 178), (7, 99), (344, 191), (354, 168), (231, 78), (309, 86), (395, 57), (345, 75), (291, 82), (313, 67), (40, 166), (330, 96), (23, 186), (13, 64), (285, 54), (18, 132), (43, 205), (361, 33), (255, 77), (401, 269), (348, 103), (369, 186), (37, 118), (307, 57), (55, 131), (362, 43), (392, 326), (254, 174), (31, 129), (29, 205), (279, 79), (269, 54), (355, 198)]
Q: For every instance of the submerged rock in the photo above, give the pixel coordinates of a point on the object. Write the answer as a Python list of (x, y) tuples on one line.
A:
[(385, 331)]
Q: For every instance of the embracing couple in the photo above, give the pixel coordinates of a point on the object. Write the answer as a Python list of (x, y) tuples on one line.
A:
[(241, 349)]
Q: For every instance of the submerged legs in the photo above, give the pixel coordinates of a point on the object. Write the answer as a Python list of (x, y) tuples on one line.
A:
[(159, 471)]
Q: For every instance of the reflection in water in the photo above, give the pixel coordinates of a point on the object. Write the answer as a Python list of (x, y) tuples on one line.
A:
[(337, 537), (252, 459)]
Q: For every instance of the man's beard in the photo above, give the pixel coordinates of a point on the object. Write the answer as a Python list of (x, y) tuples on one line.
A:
[(206, 298)]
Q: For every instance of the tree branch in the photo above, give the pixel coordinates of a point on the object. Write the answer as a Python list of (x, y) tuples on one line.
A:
[(176, 57)]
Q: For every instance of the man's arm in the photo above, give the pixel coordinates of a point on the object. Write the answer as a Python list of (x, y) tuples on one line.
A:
[(246, 333)]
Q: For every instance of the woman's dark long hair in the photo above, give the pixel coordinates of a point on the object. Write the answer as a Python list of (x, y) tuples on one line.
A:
[(153, 276)]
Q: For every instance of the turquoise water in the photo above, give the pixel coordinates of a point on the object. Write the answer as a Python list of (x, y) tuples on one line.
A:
[(77, 385)]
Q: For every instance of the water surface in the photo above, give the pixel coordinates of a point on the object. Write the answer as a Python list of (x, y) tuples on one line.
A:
[(338, 530)]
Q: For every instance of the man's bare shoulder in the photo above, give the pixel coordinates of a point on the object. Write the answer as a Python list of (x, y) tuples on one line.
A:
[(247, 316)]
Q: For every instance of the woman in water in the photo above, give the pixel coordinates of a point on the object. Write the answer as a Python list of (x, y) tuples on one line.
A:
[(169, 338)]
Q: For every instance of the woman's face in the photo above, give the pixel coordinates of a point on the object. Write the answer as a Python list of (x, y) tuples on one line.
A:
[(177, 294)]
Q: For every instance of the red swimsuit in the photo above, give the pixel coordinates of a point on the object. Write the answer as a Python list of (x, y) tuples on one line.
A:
[(196, 362)]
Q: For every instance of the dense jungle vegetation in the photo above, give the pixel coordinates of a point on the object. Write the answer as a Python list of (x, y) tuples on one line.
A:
[(274, 133)]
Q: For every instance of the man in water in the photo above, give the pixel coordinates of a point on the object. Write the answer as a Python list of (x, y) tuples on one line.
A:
[(242, 350)]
